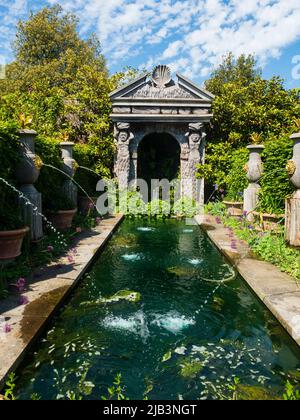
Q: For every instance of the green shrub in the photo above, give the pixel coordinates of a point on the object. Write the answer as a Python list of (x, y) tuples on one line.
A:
[(236, 179), (275, 182)]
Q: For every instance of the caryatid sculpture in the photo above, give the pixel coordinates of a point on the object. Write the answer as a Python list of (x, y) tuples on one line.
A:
[(123, 136), (196, 136)]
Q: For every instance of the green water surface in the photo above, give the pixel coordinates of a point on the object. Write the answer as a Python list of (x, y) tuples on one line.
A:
[(186, 338)]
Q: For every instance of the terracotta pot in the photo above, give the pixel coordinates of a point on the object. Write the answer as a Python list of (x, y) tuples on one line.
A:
[(11, 243), (270, 222), (84, 202), (234, 208), (63, 219)]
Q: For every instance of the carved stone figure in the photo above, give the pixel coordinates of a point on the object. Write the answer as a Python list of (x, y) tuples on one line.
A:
[(123, 136)]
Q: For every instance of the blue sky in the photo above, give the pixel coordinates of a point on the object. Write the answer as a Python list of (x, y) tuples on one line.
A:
[(189, 35)]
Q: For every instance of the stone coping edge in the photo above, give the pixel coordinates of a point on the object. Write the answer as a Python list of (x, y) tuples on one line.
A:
[(278, 291), (46, 296)]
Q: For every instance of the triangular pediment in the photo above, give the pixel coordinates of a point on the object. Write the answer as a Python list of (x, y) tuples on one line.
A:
[(145, 88)]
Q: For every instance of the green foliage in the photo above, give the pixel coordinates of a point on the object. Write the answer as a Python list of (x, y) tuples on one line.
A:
[(291, 393), (236, 179), (271, 248), (10, 387), (61, 80), (263, 106), (275, 182), (185, 207), (159, 209), (241, 71), (116, 391), (247, 106), (9, 158)]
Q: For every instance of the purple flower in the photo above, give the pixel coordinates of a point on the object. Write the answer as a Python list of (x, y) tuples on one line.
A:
[(245, 213), (91, 205), (98, 220), (70, 259), (218, 221), (7, 329), (74, 251), (222, 191), (241, 194), (78, 230), (23, 300), (50, 248), (20, 284), (216, 187)]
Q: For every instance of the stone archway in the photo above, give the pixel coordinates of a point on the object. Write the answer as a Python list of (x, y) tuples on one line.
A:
[(161, 106), (158, 157)]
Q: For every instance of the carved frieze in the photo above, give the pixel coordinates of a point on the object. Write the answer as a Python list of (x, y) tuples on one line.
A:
[(169, 92)]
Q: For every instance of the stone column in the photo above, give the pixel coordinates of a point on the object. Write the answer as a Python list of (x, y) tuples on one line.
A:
[(123, 137), (193, 187), (27, 173), (254, 169), (69, 167), (292, 213)]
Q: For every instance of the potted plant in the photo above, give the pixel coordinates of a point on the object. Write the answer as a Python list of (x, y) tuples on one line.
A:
[(12, 233), (268, 214), (60, 210)]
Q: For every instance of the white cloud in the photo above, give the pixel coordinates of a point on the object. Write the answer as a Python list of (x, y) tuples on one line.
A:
[(189, 35)]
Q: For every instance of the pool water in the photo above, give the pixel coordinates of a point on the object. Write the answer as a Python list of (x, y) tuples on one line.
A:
[(184, 334)]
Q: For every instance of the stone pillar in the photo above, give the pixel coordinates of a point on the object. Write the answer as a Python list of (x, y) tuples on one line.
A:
[(69, 167), (193, 187), (292, 213), (27, 173), (254, 169), (123, 136)]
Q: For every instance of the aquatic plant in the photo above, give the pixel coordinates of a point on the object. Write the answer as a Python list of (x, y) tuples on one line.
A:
[(190, 368), (127, 295)]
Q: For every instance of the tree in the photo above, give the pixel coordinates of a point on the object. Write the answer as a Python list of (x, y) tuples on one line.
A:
[(241, 71)]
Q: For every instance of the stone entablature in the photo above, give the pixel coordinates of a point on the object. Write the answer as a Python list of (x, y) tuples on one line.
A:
[(159, 105)]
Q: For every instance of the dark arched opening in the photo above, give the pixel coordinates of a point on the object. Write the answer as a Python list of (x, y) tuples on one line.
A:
[(158, 157)]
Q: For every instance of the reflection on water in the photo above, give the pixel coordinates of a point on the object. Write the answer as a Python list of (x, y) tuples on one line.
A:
[(187, 336)]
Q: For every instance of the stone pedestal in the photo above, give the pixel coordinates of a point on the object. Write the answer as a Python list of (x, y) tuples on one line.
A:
[(292, 207), (292, 219), (69, 167), (254, 170), (27, 174)]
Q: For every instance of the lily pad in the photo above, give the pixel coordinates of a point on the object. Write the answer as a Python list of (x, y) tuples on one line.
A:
[(190, 368), (181, 271), (127, 295), (255, 393), (167, 356), (125, 241), (218, 303)]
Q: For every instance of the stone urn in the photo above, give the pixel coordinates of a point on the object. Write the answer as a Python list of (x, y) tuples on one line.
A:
[(254, 166), (27, 173), (69, 167), (28, 170), (254, 169), (293, 166)]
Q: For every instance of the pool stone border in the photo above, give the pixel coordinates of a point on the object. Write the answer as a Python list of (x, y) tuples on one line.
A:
[(279, 292), (48, 288)]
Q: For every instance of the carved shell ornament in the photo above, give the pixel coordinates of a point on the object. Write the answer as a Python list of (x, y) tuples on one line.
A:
[(161, 76), (291, 168)]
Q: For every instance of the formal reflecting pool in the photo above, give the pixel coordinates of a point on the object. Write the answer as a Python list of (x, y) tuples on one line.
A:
[(164, 308)]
